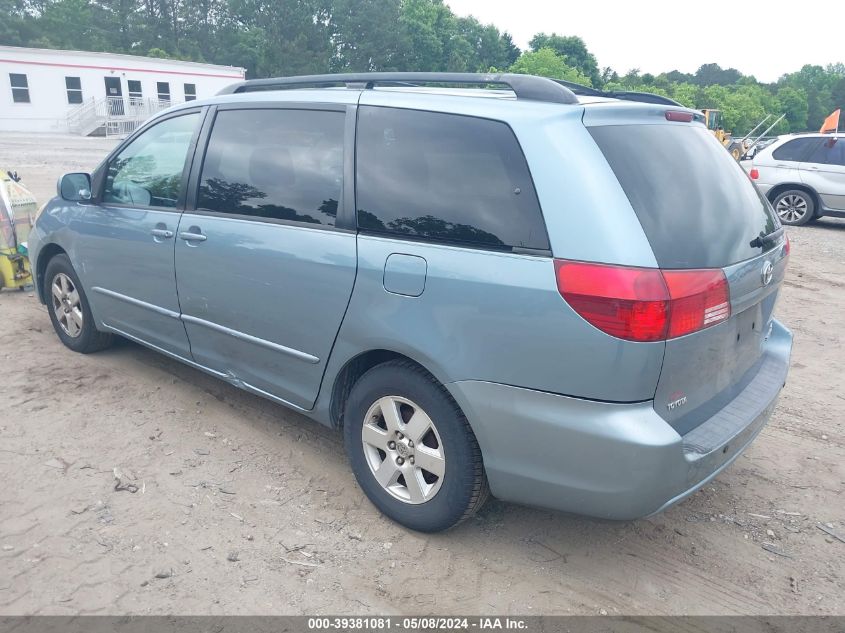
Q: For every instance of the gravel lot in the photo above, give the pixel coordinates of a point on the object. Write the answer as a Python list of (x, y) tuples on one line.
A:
[(244, 507)]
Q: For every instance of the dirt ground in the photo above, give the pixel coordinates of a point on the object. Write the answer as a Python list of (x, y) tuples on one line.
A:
[(244, 507)]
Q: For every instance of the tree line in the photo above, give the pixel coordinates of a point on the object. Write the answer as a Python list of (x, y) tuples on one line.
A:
[(292, 37)]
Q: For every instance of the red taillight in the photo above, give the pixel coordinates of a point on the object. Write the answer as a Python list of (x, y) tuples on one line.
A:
[(674, 115), (629, 303), (644, 304), (754, 174), (699, 299)]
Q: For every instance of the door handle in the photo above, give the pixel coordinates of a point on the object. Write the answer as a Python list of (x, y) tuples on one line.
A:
[(162, 233), (191, 236)]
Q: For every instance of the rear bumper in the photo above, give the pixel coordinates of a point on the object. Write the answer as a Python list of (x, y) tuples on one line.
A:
[(614, 461)]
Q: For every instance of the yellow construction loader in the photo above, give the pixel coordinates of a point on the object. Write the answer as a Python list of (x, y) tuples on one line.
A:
[(737, 148), (17, 214), (713, 121)]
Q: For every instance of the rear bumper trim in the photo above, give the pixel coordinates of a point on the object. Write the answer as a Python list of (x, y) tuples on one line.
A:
[(732, 420), (614, 461)]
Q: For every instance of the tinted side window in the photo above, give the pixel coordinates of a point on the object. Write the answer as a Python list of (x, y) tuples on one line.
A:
[(796, 150), (148, 171), (830, 152), (445, 177), (278, 164)]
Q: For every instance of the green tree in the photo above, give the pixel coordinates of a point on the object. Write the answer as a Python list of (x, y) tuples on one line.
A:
[(817, 83), (793, 102), (709, 74), (364, 35), (294, 37), (545, 62), (685, 94), (72, 24), (421, 23), (573, 49)]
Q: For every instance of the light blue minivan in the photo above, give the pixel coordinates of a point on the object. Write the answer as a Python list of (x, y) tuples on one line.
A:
[(527, 288)]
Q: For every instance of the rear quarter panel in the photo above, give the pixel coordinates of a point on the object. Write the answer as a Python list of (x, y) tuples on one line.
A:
[(494, 317), (498, 317)]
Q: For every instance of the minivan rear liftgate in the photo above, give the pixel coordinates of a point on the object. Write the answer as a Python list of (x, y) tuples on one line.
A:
[(720, 250)]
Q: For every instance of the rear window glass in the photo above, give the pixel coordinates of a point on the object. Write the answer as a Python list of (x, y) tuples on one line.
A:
[(446, 178), (695, 203)]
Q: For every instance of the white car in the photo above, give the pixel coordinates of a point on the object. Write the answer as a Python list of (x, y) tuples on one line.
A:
[(802, 175)]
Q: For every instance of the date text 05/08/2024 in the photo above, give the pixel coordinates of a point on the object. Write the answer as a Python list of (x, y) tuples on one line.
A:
[(426, 623)]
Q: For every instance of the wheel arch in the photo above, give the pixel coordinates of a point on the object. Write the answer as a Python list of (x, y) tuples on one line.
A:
[(356, 367), (47, 252), (775, 191)]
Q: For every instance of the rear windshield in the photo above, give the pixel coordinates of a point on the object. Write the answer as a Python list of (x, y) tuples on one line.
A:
[(695, 203)]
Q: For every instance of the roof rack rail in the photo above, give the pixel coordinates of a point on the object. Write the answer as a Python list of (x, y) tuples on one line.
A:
[(625, 95), (528, 87)]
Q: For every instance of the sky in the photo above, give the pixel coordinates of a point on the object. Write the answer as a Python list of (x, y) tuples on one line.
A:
[(764, 39)]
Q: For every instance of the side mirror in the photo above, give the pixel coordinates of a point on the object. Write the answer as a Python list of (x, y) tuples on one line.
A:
[(75, 187)]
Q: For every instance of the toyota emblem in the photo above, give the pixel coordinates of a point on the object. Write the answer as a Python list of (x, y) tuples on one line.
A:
[(767, 273)]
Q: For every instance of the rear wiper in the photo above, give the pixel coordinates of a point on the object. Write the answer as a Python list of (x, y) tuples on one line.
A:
[(767, 241)]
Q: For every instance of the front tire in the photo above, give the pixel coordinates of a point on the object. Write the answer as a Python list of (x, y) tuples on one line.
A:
[(69, 310), (794, 207), (411, 448)]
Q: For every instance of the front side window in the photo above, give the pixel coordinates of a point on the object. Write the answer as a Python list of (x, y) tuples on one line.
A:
[(445, 178), (190, 92), (148, 172), (796, 150), (275, 164), (20, 88), (163, 89), (830, 152), (73, 85)]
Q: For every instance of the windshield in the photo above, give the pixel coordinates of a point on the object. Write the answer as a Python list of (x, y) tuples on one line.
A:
[(695, 203)]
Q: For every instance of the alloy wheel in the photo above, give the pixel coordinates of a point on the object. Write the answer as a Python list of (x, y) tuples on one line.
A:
[(66, 305), (791, 208), (403, 449)]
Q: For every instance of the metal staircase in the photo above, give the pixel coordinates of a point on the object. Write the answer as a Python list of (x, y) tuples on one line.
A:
[(112, 116)]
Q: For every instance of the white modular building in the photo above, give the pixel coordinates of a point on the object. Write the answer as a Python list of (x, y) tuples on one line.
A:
[(88, 93)]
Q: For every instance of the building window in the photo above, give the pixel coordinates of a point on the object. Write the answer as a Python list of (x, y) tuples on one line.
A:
[(20, 88), (163, 89), (135, 94), (74, 90), (190, 92)]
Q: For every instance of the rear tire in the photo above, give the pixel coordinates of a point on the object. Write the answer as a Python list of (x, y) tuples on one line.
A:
[(69, 310), (794, 207), (411, 448)]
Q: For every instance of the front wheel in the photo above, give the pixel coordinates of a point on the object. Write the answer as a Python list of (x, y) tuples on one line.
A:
[(411, 448), (794, 207), (69, 309)]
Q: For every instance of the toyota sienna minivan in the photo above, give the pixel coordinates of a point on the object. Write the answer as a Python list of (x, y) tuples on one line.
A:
[(529, 289)]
